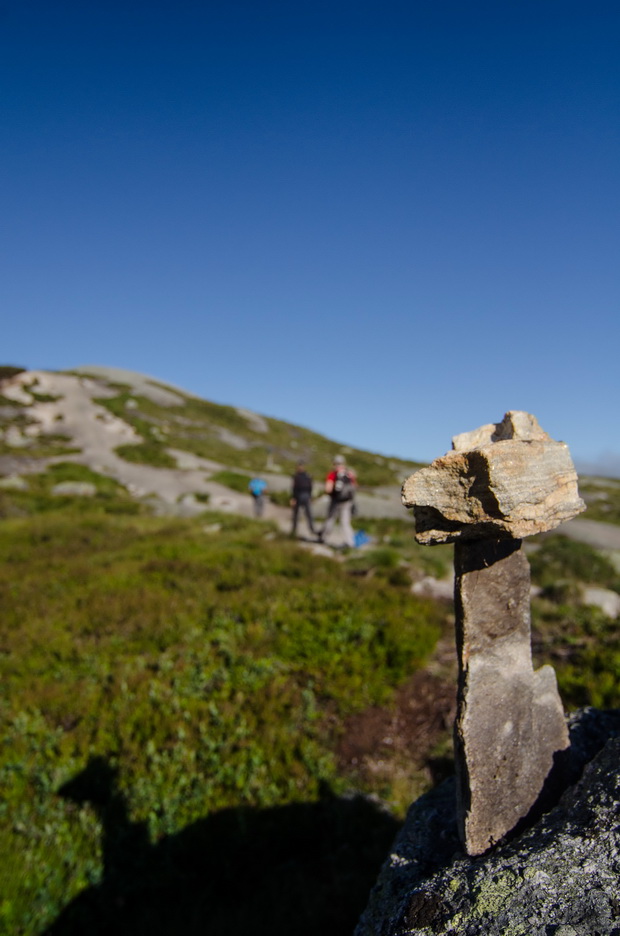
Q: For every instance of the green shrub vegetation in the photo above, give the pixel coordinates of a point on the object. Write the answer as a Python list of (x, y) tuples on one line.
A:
[(580, 641), (561, 561), (37, 498), (151, 452), (234, 480), (191, 677), (44, 446), (9, 370), (583, 644), (43, 397), (602, 495), (281, 498), (397, 537)]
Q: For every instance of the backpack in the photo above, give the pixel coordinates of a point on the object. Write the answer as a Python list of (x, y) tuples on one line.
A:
[(344, 489)]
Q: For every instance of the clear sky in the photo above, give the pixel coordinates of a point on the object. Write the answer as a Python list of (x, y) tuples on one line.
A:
[(388, 221)]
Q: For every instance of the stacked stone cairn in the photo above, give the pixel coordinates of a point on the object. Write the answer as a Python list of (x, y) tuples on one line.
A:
[(500, 483)]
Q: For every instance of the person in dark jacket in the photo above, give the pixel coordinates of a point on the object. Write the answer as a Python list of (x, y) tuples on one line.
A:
[(301, 497)]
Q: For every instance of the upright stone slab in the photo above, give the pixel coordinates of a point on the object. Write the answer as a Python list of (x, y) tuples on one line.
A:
[(510, 722), (502, 482)]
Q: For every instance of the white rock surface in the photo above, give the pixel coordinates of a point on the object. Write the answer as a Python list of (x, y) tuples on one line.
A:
[(255, 421), (604, 598), (439, 589), (75, 489), (14, 482), (15, 438), (141, 384)]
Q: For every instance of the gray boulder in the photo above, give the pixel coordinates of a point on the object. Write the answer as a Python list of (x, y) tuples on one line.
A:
[(558, 875)]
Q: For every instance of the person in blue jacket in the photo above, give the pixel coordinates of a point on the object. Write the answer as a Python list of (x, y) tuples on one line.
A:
[(258, 488)]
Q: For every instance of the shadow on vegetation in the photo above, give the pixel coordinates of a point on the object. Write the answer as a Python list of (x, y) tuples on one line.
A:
[(302, 868)]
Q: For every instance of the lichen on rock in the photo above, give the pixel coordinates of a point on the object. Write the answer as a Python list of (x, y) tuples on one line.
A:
[(561, 874)]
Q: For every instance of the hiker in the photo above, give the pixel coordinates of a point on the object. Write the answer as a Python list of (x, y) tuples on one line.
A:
[(301, 497), (258, 487), (340, 484)]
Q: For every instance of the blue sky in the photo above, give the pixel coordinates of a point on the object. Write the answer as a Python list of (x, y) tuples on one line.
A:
[(390, 222)]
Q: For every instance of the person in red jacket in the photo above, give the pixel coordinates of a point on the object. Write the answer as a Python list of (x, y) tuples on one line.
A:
[(340, 484)]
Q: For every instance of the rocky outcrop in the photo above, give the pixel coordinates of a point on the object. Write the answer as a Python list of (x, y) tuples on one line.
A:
[(558, 876)]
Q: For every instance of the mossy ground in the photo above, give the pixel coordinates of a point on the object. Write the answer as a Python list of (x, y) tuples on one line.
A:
[(580, 641), (193, 676), (235, 480)]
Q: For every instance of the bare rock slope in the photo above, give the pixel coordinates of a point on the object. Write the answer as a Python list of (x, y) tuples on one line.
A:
[(71, 409), (50, 405)]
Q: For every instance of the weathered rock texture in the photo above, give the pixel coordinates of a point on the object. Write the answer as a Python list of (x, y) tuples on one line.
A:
[(504, 480), (515, 425), (510, 722), (559, 877)]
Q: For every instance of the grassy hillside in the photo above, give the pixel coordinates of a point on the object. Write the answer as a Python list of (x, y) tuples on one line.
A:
[(165, 678), (178, 694), (223, 434)]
